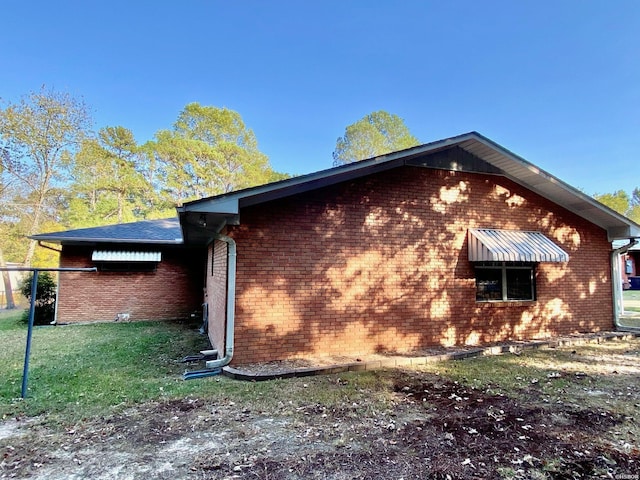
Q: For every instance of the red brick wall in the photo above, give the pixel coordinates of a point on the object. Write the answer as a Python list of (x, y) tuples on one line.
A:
[(173, 291), (217, 294), (381, 264)]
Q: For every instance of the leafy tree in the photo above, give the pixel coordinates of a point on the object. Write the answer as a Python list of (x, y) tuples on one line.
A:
[(618, 201), (634, 211), (375, 134), (37, 138), (45, 303), (209, 151), (621, 202), (108, 184)]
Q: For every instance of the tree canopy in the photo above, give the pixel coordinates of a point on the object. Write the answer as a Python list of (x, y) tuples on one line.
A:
[(56, 173), (623, 203), (375, 134), (108, 183), (209, 151), (38, 137)]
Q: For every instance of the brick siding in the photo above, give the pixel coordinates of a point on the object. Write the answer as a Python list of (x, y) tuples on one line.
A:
[(173, 291), (380, 264), (216, 294)]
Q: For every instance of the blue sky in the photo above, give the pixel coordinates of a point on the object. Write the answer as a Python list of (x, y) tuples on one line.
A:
[(556, 82)]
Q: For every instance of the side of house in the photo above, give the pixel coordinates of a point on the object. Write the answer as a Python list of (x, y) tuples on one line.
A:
[(381, 263), (171, 288), (144, 270), (458, 241)]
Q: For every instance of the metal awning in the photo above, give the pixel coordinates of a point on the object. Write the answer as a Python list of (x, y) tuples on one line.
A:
[(123, 256), (487, 245)]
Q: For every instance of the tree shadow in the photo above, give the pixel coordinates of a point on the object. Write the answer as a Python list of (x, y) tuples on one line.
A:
[(380, 263)]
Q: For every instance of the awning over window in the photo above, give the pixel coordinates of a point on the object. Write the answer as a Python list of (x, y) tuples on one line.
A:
[(487, 245), (122, 256)]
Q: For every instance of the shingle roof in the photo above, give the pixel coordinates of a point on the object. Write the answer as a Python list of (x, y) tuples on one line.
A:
[(164, 231)]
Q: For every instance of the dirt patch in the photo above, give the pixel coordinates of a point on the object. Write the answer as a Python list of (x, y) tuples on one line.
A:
[(404, 424), (496, 430)]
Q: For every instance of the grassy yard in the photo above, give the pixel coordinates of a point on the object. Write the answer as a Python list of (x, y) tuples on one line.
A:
[(81, 370), (108, 401), (631, 299)]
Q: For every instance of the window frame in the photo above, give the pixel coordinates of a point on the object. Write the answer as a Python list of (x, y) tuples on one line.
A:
[(504, 267)]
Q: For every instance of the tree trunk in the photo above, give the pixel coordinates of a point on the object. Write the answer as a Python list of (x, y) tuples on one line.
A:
[(35, 226), (6, 278), (120, 206)]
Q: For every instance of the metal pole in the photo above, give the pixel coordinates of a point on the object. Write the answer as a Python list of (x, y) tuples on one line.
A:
[(32, 311), (32, 308)]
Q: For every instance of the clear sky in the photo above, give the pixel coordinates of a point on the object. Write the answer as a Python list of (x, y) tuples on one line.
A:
[(556, 82)]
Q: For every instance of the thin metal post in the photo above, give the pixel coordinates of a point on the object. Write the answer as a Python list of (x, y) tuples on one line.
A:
[(32, 308), (32, 311)]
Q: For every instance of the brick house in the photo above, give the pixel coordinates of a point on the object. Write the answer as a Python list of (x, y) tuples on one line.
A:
[(144, 270), (458, 241)]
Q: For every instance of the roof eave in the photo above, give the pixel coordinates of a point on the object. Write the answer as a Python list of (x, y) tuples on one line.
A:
[(623, 233), (85, 241), (230, 203), (557, 191)]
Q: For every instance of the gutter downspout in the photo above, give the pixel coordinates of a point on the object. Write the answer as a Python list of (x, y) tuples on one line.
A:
[(231, 304), (618, 306), (40, 244)]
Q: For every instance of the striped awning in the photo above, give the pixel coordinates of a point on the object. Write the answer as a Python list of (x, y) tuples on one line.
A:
[(124, 256), (486, 245)]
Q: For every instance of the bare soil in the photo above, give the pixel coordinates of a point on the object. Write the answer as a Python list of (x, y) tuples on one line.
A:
[(428, 427)]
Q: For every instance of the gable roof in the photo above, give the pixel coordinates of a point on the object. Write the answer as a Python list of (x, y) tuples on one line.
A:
[(165, 231), (469, 152)]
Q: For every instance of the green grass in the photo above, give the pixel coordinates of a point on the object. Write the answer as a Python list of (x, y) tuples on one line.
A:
[(631, 299), (82, 370), (631, 295), (10, 319), (79, 371)]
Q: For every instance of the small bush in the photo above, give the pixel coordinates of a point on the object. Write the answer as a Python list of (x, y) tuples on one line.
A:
[(45, 298)]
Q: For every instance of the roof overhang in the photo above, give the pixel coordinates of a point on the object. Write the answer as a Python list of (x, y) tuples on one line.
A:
[(158, 232), (470, 152), (552, 188), (487, 245)]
